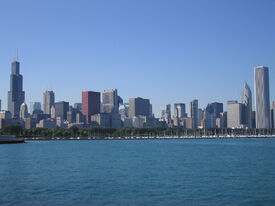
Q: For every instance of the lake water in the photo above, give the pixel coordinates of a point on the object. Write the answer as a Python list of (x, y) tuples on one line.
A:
[(139, 172)]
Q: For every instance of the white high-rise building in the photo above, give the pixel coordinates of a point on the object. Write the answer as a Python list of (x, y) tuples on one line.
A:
[(234, 114), (166, 112), (23, 111), (111, 101), (48, 101), (262, 101), (247, 101)]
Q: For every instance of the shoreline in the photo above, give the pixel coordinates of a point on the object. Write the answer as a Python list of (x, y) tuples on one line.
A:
[(146, 138)]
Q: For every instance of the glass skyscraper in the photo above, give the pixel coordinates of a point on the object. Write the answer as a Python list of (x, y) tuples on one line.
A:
[(16, 95), (247, 101), (194, 113), (262, 101)]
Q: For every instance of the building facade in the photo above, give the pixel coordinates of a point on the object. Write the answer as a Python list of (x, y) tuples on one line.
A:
[(235, 114), (34, 106), (194, 106), (272, 115), (139, 106), (166, 113), (48, 102), (262, 101), (61, 109), (90, 104), (212, 112), (23, 111), (110, 101), (247, 101), (16, 95)]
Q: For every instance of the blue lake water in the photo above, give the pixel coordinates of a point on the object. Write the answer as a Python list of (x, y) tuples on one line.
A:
[(139, 172)]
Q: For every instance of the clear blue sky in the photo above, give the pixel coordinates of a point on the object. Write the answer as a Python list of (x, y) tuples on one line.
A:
[(167, 51)]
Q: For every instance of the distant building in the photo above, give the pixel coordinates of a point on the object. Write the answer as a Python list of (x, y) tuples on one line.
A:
[(53, 112), (90, 104), (48, 101), (212, 112), (235, 114), (0, 105), (61, 109), (46, 123), (124, 110), (126, 122), (179, 110), (194, 113), (71, 115), (166, 113), (151, 110), (23, 111), (247, 101), (138, 121), (200, 117), (179, 114), (262, 101), (106, 120), (223, 120), (272, 115), (139, 106), (79, 118), (30, 123), (16, 95), (111, 101), (61, 123), (253, 119), (34, 106), (5, 114), (78, 106), (188, 123)]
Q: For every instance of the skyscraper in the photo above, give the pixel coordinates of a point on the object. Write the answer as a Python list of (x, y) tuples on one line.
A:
[(61, 109), (34, 106), (78, 106), (16, 95), (23, 111), (235, 114), (110, 101), (272, 115), (194, 113), (139, 106), (262, 101), (179, 114), (48, 101), (90, 104), (179, 110), (166, 112), (247, 101), (0, 105), (212, 112)]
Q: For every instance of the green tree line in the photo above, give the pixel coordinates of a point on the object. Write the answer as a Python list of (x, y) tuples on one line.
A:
[(102, 132)]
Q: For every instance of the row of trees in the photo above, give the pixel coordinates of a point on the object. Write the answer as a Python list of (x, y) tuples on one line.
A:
[(101, 132)]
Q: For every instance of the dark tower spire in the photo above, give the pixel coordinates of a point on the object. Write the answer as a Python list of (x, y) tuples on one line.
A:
[(16, 95)]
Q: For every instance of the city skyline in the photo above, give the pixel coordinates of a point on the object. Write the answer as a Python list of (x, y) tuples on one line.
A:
[(15, 69), (181, 50), (105, 112)]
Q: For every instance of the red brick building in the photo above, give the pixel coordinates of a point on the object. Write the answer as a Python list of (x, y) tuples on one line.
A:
[(90, 104)]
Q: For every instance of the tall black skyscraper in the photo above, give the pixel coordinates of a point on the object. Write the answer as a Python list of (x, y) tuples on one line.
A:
[(16, 95)]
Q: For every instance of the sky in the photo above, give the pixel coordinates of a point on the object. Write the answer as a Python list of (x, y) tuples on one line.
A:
[(169, 51)]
